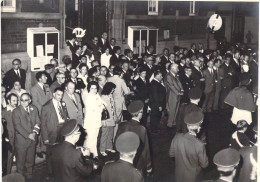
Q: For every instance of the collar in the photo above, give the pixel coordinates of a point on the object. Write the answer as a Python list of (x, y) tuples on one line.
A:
[(9, 108), (227, 64), (187, 75), (182, 64), (126, 160), (197, 68), (55, 102), (135, 119), (41, 84), (173, 74)]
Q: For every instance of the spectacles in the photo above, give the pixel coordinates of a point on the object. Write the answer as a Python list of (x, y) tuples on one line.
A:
[(26, 100)]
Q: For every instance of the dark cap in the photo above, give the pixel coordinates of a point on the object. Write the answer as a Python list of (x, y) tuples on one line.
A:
[(127, 142), (226, 159), (195, 93), (69, 127), (194, 118), (244, 78), (135, 106), (13, 177)]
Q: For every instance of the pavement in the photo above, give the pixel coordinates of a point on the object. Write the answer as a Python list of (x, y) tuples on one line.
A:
[(219, 131)]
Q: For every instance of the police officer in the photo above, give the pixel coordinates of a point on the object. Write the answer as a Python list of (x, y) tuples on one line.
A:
[(123, 170), (226, 161), (189, 152), (142, 160), (68, 163)]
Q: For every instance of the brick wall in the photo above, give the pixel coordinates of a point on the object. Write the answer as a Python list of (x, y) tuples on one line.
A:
[(14, 32)]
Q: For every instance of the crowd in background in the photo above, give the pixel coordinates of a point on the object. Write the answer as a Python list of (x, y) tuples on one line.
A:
[(96, 84)]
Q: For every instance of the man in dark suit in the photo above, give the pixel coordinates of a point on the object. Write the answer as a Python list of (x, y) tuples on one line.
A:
[(54, 114), (218, 71), (76, 57), (142, 160), (149, 68), (14, 74), (174, 91), (103, 42), (226, 76), (78, 81), (72, 44), (49, 70), (210, 87), (115, 60), (189, 152), (128, 54), (187, 84), (7, 119), (26, 124), (182, 66), (165, 57), (197, 75), (123, 170), (192, 50), (157, 100), (111, 46), (253, 70), (68, 163), (95, 48), (142, 93), (236, 67)]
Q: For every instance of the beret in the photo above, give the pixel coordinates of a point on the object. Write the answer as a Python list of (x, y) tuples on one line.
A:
[(194, 118), (195, 93), (13, 177), (244, 78), (69, 127), (227, 158), (127, 142), (135, 106)]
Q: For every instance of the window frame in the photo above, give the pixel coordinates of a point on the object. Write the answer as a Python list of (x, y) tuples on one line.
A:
[(9, 9), (156, 7)]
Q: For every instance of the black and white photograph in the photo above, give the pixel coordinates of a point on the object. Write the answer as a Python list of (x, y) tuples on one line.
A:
[(129, 91)]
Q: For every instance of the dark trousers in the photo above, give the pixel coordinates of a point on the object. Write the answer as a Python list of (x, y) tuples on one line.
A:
[(208, 101), (223, 94), (155, 119), (10, 161), (143, 120), (25, 157), (216, 100)]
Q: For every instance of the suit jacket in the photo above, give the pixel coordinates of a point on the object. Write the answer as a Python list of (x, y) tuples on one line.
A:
[(187, 84), (79, 85), (196, 76), (96, 52), (111, 50), (149, 72), (49, 121), (68, 164), (74, 111), (55, 85), (219, 72), (173, 87), (102, 45), (39, 98), (190, 157), (210, 81), (247, 167), (157, 95), (226, 78), (142, 160), (24, 124), (7, 116), (75, 60), (121, 171), (72, 47), (142, 90), (253, 70), (11, 77), (114, 60), (237, 71), (164, 60)]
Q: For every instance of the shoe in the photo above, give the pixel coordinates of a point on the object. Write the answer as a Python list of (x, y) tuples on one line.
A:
[(103, 154), (39, 154)]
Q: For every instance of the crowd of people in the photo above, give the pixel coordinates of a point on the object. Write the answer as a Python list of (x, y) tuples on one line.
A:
[(115, 99)]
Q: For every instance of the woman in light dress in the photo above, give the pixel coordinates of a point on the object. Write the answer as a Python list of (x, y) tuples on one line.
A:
[(105, 58), (94, 106)]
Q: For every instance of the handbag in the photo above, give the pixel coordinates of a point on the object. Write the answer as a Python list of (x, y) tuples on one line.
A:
[(105, 114)]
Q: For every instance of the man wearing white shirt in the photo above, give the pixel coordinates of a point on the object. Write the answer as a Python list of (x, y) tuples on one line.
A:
[(73, 102), (54, 114)]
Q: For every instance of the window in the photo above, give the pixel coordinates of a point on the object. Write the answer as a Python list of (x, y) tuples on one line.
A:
[(8, 5), (152, 7)]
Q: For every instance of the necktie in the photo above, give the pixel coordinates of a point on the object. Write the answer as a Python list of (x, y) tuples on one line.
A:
[(61, 112), (112, 105), (44, 90), (28, 111), (18, 74), (74, 102)]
